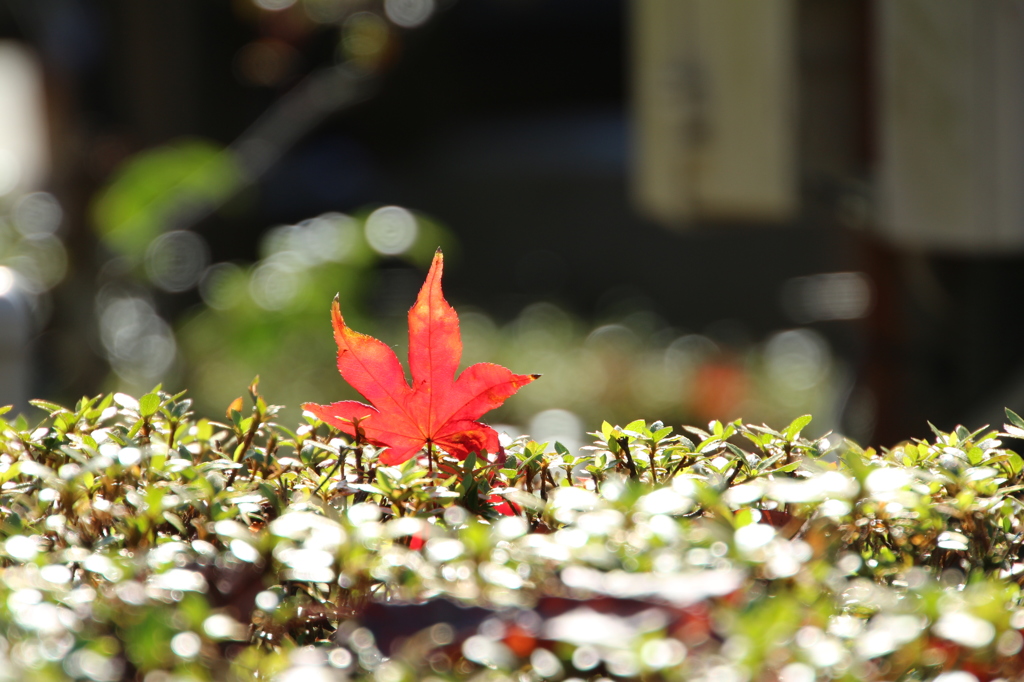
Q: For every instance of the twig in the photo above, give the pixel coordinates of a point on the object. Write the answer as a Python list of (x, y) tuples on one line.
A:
[(340, 464), (257, 420), (624, 445)]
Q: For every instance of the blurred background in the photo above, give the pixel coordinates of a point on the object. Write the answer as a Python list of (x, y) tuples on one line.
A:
[(673, 209)]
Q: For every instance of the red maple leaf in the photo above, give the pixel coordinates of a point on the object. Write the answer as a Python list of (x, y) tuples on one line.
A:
[(438, 410)]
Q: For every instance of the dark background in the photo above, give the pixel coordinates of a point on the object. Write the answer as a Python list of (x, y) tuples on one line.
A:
[(509, 122)]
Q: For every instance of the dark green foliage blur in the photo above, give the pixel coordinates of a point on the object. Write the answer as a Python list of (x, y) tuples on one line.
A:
[(272, 313), (141, 542)]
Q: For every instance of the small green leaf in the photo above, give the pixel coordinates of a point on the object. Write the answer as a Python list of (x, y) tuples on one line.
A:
[(704, 435), (175, 521), (910, 450), (10, 473), (766, 464), (469, 465), (204, 430), (1015, 418), (796, 426), (1015, 462), (786, 468), (149, 404), (712, 440), (45, 405), (743, 517), (639, 426), (939, 435)]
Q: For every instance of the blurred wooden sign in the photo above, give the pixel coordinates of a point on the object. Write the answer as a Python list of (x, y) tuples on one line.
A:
[(24, 142), (714, 109), (951, 124)]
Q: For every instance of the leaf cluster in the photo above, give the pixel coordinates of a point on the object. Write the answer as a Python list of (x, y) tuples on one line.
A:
[(139, 541)]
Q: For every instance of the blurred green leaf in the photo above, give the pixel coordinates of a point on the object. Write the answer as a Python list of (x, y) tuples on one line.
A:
[(148, 405), (159, 185)]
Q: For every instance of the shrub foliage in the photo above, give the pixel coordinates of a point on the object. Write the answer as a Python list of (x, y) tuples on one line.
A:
[(139, 542)]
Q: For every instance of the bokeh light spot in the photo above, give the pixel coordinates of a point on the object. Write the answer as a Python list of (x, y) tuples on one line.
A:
[(662, 653), (340, 658), (545, 663), (21, 547), (175, 261), (222, 286), (265, 63), (273, 286), (585, 657), (956, 676), (267, 600), (1009, 643), (274, 5), (828, 296), (408, 13), (186, 644), (92, 665), (965, 629), (797, 672), (42, 262), (10, 172), (331, 237), (686, 353), (6, 280), (139, 343), (798, 358), (558, 425), (38, 213), (326, 11), (365, 37), (223, 626), (391, 230)]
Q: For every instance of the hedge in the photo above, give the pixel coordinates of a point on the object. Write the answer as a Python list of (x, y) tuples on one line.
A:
[(140, 542)]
